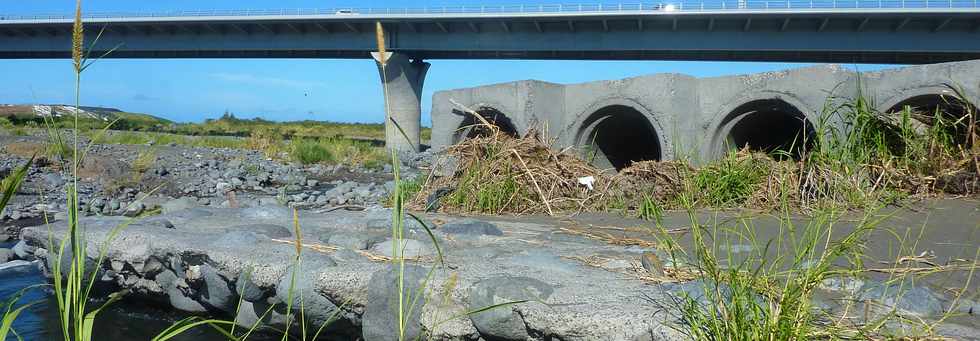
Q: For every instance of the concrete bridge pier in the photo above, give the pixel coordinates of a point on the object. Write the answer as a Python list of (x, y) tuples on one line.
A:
[(402, 78)]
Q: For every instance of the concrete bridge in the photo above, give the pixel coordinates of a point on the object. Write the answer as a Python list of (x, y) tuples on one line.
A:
[(844, 31), (667, 116)]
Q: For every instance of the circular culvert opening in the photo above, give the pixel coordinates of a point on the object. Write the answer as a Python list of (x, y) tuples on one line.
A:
[(933, 109), (618, 135), (770, 126), (474, 127)]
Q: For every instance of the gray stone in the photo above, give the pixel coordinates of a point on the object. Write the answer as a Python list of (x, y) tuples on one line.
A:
[(503, 323), (411, 248), (353, 241), (180, 299), (912, 299), (114, 204), (269, 230), (17, 266), (53, 179), (278, 213), (178, 205), (409, 223), (7, 255), (217, 292), (134, 209), (380, 320), (318, 310), (223, 187), (472, 227), (23, 250), (248, 290)]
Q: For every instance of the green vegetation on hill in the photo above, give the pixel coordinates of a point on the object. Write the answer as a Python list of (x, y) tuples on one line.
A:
[(226, 125)]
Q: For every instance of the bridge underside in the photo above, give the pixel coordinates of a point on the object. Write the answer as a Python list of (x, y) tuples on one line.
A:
[(669, 116), (900, 36)]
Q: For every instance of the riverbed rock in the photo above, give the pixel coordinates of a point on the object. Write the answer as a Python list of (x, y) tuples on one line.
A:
[(353, 240), (504, 323), (411, 248), (268, 230), (17, 266), (300, 285), (907, 298), (217, 292), (7, 255), (472, 227), (180, 297), (380, 319), (23, 250), (277, 213)]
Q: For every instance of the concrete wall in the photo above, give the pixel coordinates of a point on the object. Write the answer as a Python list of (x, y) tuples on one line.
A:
[(693, 117)]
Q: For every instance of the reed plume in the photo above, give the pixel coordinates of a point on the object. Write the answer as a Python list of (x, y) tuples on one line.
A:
[(77, 38), (379, 31)]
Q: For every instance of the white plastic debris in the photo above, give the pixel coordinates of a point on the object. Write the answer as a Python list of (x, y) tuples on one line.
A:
[(587, 181)]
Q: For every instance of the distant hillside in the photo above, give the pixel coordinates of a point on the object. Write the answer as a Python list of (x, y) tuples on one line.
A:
[(89, 117), (226, 125)]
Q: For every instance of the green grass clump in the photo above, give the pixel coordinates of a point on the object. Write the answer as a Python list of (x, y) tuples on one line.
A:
[(159, 139), (310, 152), (769, 294), (729, 182)]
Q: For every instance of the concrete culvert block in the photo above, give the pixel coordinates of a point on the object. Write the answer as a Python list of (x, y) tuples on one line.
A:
[(503, 323), (472, 227), (380, 319)]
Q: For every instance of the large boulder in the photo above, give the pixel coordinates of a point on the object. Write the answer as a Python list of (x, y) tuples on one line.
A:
[(503, 323)]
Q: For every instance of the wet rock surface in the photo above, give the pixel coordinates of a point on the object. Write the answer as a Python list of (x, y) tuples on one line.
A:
[(204, 265), (569, 288)]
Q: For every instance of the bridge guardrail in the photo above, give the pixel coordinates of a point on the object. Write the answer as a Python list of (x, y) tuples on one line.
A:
[(654, 6)]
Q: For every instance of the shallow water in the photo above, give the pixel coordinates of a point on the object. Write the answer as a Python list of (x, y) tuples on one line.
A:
[(122, 321)]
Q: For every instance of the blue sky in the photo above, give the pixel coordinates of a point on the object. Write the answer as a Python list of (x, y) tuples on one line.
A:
[(276, 89)]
